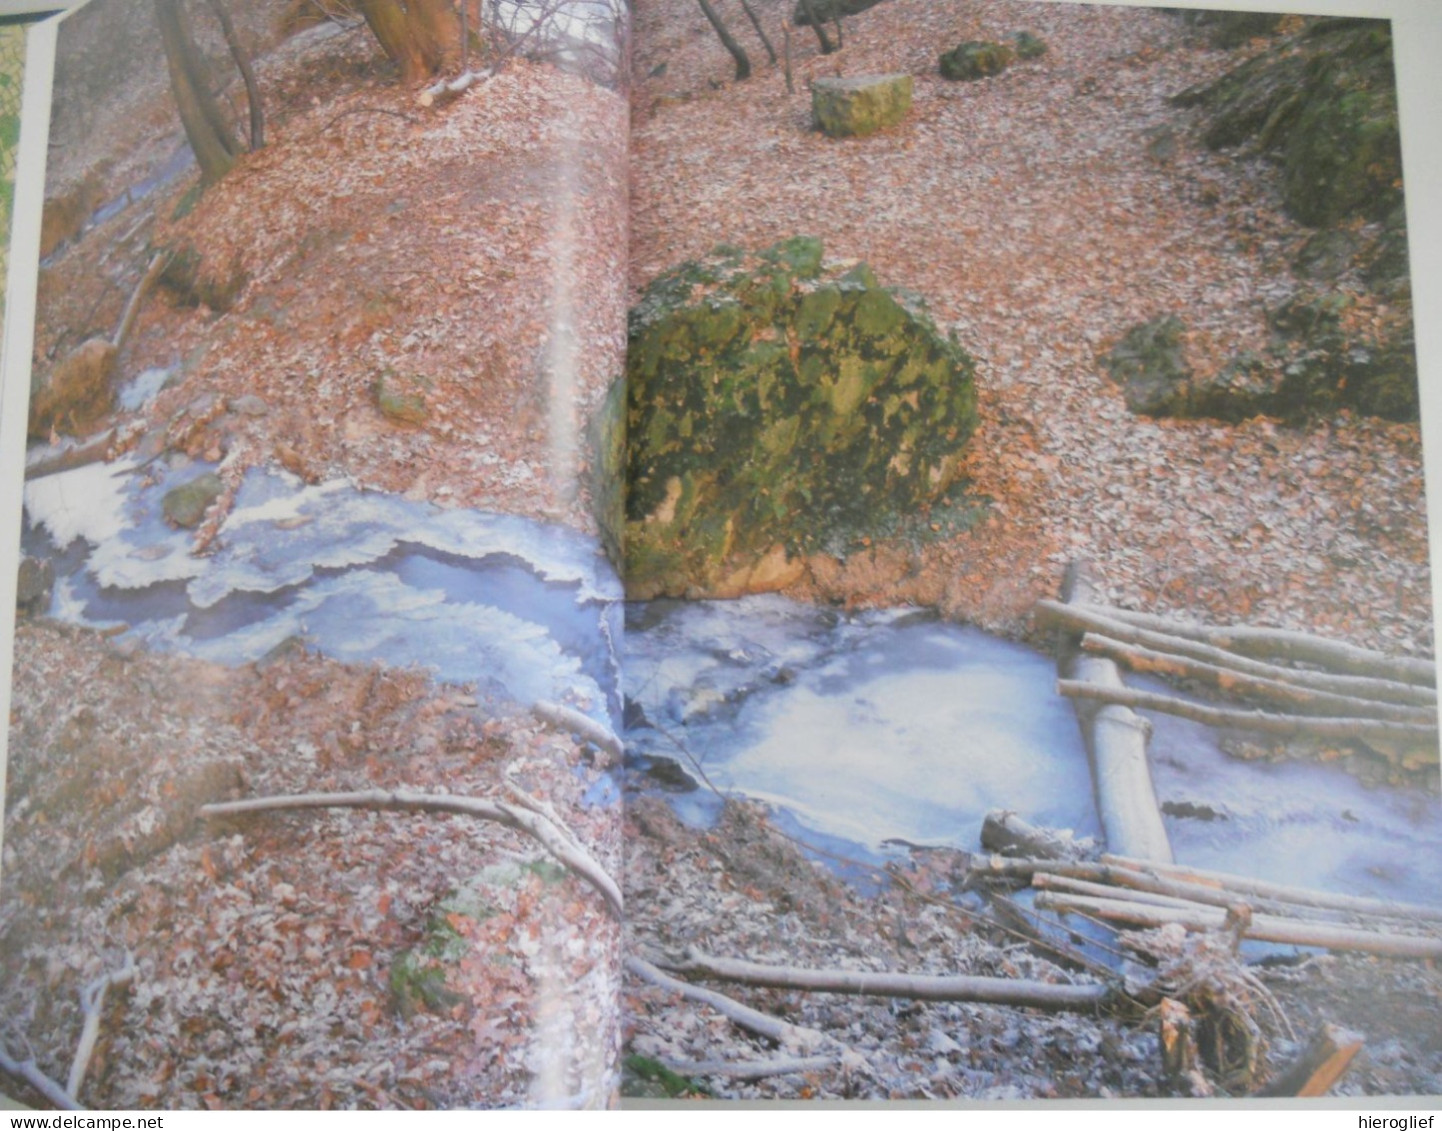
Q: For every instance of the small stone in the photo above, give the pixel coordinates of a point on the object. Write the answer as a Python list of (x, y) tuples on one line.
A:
[(248, 405), (34, 583), (857, 107), (975, 59), (400, 401), (186, 505)]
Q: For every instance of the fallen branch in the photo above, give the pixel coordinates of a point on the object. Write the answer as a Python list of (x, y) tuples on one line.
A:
[(563, 845), (1268, 928), (923, 987), (442, 92), (1081, 619), (752, 1069), (1284, 644), (568, 718), (1233, 886), (1322, 1063), (92, 1004), (784, 1033), (1261, 721), (1116, 740), (29, 1071), (1306, 700)]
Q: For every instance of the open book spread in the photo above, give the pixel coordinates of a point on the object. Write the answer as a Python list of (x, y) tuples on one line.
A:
[(724, 549)]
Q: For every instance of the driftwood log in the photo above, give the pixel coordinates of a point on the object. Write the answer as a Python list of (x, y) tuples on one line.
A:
[(1267, 928), (1296, 647), (1105, 622), (1262, 722), (568, 718), (1116, 741), (559, 841)]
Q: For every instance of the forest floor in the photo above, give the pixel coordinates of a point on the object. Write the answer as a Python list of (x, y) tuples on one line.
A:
[(373, 239)]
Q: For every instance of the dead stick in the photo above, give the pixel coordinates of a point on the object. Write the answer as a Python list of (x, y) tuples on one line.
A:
[(752, 1069), (1277, 691), (923, 987), (567, 851), (782, 1032), (1323, 1062), (1268, 928), (1260, 721), (1081, 619), (1281, 643), (568, 718), (29, 1071), (1050, 881), (1283, 893), (92, 1004)]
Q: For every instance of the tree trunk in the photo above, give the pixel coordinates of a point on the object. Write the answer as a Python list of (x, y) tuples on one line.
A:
[(388, 22), (436, 27), (818, 26), (247, 73), (743, 62), (205, 129), (760, 31)]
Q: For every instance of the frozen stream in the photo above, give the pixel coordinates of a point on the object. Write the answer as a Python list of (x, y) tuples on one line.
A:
[(893, 725), (858, 729), (523, 609)]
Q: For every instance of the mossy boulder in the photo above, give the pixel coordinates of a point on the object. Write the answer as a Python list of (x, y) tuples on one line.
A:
[(859, 106), (1318, 362), (1232, 29), (975, 59), (1323, 101), (777, 407), (1028, 46), (1149, 366), (197, 280)]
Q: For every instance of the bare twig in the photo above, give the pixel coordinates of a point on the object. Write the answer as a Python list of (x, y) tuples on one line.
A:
[(92, 1005), (29, 1071), (923, 987), (568, 718), (562, 845)]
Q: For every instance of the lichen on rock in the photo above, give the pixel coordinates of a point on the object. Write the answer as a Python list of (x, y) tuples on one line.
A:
[(775, 407), (859, 106)]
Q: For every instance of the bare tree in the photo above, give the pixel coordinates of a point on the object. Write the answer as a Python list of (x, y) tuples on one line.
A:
[(760, 31), (818, 25), (421, 37), (743, 62), (210, 135), (247, 73)]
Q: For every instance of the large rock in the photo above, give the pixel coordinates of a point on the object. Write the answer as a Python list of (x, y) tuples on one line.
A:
[(774, 408), (1324, 102), (77, 393), (186, 505), (859, 106)]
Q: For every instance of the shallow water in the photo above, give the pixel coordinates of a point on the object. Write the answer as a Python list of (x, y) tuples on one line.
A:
[(892, 725), (523, 609)]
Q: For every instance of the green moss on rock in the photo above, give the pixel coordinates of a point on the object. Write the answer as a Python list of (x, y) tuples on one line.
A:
[(859, 106), (820, 406), (186, 505), (975, 59)]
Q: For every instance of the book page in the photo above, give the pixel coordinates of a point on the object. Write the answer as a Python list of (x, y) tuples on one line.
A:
[(309, 800), (1028, 660)]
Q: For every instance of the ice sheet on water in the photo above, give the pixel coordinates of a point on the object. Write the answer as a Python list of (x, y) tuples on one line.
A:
[(90, 502), (863, 727), (366, 616), (279, 534)]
